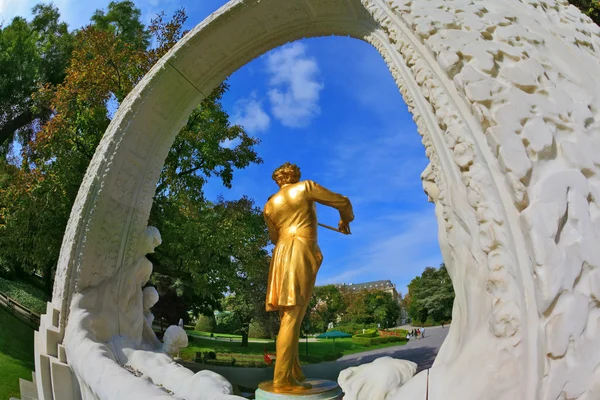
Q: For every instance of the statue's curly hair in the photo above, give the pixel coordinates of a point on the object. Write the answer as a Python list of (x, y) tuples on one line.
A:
[(287, 173)]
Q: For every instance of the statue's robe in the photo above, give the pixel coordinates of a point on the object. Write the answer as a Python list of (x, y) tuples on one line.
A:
[(292, 221)]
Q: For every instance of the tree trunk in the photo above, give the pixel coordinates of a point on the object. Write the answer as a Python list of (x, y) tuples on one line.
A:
[(8, 130), (244, 332), (48, 279), (17, 272)]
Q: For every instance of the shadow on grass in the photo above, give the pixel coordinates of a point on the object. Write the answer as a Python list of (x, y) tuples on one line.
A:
[(16, 353), (16, 338)]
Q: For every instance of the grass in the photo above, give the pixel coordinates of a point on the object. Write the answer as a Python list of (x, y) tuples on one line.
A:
[(16, 354), (319, 351), (207, 334), (192, 332), (25, 294)]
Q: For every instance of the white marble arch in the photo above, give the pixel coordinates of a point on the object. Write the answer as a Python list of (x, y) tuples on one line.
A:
[(505, 96)]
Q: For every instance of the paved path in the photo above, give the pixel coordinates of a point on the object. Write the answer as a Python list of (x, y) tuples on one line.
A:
[(421, 351)]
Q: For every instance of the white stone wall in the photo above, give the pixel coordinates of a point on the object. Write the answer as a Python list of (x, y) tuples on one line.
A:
[(505, 96)]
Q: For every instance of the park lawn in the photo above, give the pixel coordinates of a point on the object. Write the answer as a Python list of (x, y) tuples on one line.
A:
[(207, 334), (201, 334), (319, 351), (16, 354)]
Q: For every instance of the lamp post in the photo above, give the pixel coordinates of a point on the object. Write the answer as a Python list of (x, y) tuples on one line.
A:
[(306, 327)]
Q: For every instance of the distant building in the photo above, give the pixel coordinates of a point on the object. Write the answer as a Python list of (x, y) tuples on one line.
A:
[(386, 286)]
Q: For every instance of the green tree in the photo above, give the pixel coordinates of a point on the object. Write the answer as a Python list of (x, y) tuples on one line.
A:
[(32, 54), (356, 306), (382, 308), (247, 280), (43, 190), (107, 61), (370, 307), (122, 19), (590, 8), (431, 295), (326, 305)]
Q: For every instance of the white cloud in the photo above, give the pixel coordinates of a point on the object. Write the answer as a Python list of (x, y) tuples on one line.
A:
[(396, 247), (12, 8), (229, 143), (249, 113), (295, 89)]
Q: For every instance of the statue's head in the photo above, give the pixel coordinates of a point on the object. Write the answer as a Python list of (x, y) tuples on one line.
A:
[(287, 173), (150, 240), (150, 297)]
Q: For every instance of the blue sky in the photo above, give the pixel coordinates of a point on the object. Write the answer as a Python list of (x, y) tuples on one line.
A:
[(331, 106)]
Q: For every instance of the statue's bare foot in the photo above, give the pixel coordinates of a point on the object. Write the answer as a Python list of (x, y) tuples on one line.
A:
[(293, 385), (299, 376), (305, 385)]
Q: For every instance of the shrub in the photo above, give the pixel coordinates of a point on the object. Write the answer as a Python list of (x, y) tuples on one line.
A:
[(353, 328), (258, 331), (369, 333), (205, 324), (372, 341), (362, 340), (25, 294)]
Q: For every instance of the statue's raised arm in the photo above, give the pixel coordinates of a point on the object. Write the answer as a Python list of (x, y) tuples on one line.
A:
[(321, 195)]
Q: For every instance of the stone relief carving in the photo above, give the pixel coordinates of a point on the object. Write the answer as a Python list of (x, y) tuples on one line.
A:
[(538, 112), (108, 340), (377, 380)]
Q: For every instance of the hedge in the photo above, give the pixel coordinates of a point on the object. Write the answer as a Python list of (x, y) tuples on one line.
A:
[(352, 328), (369, 333), (25, 294), (371, 341)]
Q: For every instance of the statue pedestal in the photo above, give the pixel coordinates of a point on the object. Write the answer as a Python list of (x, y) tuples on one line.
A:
[(321, 390)]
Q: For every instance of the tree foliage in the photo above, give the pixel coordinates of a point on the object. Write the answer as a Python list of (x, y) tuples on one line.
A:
[(431, 296), (205, 323), (207, 251), (326, 304), (591, 8), (32, 54), (345, 307), (106, 60)]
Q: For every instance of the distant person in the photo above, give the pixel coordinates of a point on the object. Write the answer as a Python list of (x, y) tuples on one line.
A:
[(442, 324), (423, 334)]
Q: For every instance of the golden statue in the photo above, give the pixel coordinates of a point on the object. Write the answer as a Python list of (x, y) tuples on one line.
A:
[(292, 221)]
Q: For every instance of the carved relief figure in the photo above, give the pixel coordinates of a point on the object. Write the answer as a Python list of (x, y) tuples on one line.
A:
[(292, 221)]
